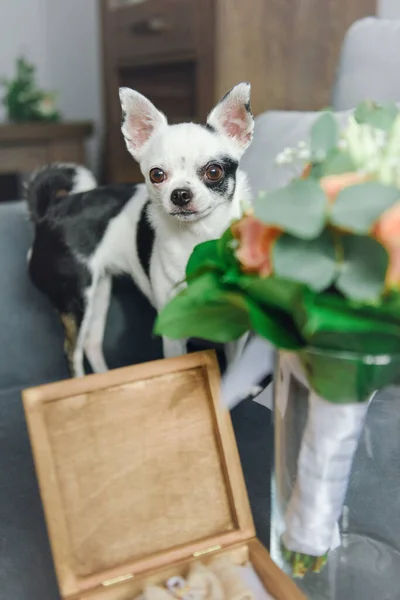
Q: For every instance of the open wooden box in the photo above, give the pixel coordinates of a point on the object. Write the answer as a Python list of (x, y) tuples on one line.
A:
[(139, 475)]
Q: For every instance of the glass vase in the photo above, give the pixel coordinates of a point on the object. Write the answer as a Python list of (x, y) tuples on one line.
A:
[(363, 561)]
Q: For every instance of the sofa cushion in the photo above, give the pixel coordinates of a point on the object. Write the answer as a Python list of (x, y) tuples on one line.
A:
[(31, 333), (369, 66)]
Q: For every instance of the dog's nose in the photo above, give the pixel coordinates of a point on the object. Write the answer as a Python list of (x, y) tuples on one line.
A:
[(181, 197)]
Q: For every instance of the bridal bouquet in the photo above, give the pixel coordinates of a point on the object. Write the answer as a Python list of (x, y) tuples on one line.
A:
[(314, 265)]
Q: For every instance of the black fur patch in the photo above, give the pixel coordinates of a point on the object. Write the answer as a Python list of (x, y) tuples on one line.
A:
[(43, 190), (84, 217), (73, 225), (209, 127), (145, 239), (224, 97), (57, 273), (222, 186)]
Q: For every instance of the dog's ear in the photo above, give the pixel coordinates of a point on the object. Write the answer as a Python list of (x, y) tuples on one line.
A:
[(232, 116), (140, 120)]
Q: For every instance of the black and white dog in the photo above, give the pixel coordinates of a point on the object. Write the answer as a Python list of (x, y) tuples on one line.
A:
[(86, 234)]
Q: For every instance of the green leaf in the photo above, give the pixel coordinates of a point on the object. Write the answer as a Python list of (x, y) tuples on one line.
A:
[(336, 163), (324, 136), (204, 310), (358, 207), (332, 322), (298, 208), (271, 292), (332, 326), (379, 117), (312, 263), (346, 379), (204, 255), (362, 276), (275, 326), (226, 248)]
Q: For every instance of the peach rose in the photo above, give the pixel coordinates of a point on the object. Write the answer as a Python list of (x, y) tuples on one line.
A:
[(333, 184), (387, 232), (255, 245)]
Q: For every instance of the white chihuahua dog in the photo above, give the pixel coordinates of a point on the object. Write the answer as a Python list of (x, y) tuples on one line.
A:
[(86, 234)]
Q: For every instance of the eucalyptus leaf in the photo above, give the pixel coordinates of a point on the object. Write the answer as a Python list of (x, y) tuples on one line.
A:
[(379, 117), (309, 262), (336, 163), (317, 170), (299, 208), (363, 273), (358, 207), (324, 136)]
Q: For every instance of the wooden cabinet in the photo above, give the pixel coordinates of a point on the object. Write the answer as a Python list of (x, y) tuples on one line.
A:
[(28, 146), (185, 54)]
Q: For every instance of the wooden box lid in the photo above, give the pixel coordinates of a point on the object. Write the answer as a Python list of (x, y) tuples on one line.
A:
[(137, 468)]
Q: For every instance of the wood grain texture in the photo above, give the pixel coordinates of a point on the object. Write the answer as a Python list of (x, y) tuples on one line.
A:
[(12, 132), (138, 468), (275, 581), (22, 158), (240, 49), (152, 29), (302, 42), (25, 147), (288, 51)]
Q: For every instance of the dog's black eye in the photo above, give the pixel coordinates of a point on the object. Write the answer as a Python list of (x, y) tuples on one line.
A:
[(214, 172), (157, 175)]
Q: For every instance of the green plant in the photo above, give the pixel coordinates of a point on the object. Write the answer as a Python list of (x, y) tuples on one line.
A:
[(23, 100)]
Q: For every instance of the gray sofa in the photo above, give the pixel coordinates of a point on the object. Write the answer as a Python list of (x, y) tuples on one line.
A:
[(31, 337)]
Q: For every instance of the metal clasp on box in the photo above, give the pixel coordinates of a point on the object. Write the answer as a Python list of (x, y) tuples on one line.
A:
[(117, 580), (208, 551)]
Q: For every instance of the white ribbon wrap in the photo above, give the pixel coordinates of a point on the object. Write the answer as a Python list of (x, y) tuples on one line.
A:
[(327, 448), (242, 377), (326, 455)]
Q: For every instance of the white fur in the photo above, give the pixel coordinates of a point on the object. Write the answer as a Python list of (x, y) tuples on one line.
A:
[(179, 150), (94, 340), (83, 180)]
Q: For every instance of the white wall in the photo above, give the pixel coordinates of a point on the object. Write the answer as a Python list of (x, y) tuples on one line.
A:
[(62, 38), (23, 30), (389, 9)]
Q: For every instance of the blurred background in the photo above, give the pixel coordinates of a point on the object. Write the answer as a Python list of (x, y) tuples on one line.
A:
[(61, 102)]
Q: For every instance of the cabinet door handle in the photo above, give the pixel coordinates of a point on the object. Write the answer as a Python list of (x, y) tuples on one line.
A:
[(155, 25)]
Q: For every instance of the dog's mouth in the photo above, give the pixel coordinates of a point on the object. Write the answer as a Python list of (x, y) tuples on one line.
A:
[(186, 214)]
